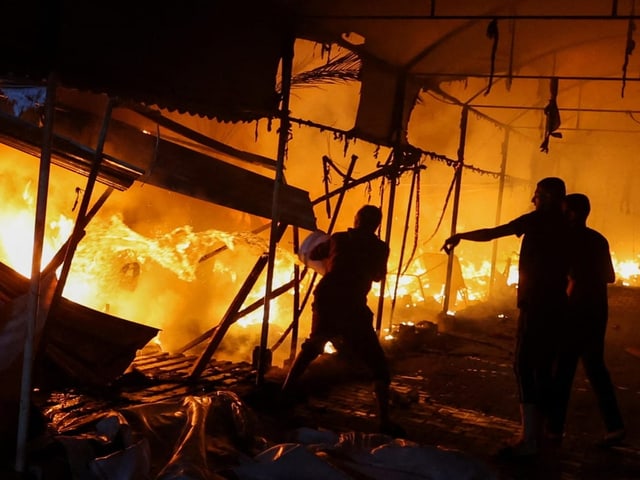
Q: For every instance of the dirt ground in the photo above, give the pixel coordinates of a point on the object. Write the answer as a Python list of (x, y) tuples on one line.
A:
[(455, 389)]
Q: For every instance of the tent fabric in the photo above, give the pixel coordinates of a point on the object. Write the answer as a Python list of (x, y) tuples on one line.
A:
[(220, 59), (216, 437), (215, 59), (436, 44)]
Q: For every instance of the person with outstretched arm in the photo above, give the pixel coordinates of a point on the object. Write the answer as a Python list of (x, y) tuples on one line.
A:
[(542, 302)]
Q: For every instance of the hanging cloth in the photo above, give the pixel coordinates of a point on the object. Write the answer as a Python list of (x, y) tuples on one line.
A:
[(492, 33), (552, 115), (629, 48)]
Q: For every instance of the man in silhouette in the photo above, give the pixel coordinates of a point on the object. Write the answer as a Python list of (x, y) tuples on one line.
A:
[(354, 259), (542, 300), (584, 334)]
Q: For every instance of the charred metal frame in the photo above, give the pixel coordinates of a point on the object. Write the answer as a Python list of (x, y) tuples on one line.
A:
[(34, 285)]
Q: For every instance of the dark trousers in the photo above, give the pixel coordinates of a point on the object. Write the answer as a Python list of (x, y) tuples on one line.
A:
[(536, 350), (584, 341), (351, 328)]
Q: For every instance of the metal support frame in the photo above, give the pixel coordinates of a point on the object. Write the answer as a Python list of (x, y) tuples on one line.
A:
[(402, 248), (231, 316), (297, 311), (464, 118), (503, 169), (283, 138), (80, 224), (34, 284)]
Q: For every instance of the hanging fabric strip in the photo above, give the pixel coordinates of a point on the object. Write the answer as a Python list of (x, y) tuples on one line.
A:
[(326, 179), (492, 32), (446, 203), (416, 227), (511, 53), (631, 45), (552, 115)]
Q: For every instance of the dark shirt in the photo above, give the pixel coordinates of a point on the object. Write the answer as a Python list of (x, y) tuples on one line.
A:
[(543, 266), (591, 267), (355, 259)]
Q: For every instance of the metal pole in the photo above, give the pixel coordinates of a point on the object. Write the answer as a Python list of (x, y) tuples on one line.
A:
[(232, 314), (296, 299), (404, 244), (456, 203), (503, 169), (34, 285), (397, 156), (283, 138), (387, 236), (78, 228)]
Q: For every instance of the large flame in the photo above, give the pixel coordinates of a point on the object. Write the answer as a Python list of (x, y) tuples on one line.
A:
[(169, 280)]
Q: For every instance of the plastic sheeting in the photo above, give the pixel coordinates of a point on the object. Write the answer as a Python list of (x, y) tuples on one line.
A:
[(328, 456), (214, 437)]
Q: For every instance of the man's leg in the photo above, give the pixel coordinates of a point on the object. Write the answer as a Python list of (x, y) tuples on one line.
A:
[(309, 351), (561, 394), (363, 341), (524, 369), (600, 380)]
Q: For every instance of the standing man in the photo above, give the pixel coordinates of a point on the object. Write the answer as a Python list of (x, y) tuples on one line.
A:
[(542, 299), (590, 272), (354, 259)]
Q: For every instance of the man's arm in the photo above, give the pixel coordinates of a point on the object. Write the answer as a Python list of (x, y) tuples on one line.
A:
[(480, 235)]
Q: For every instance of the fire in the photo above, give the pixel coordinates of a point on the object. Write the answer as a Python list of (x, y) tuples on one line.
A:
[(627, 272), (161, 279), (415, 287), (151, 280), (16, 236)]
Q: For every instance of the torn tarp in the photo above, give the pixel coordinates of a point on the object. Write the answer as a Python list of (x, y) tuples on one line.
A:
[(215, 437)]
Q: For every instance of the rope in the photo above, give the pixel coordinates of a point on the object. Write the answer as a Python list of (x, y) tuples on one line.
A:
[(416, 227), (444, 208)]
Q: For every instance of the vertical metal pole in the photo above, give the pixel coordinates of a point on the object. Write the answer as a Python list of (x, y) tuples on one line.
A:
[(387, 237), (287, 66), (404, 243), (34, 285), (396, 158), (456, 203), (81, 223), (503, 169), (296, 298)]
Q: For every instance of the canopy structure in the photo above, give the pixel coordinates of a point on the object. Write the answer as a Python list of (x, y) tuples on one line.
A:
[(219, 59), (508, 53), (561, 77)]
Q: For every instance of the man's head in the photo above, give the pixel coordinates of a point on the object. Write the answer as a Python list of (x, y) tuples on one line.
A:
[(577, 208), (549, 193), (368, 218)]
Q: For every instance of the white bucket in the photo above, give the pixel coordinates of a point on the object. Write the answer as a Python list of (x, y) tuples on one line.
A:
[(309, 244)]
